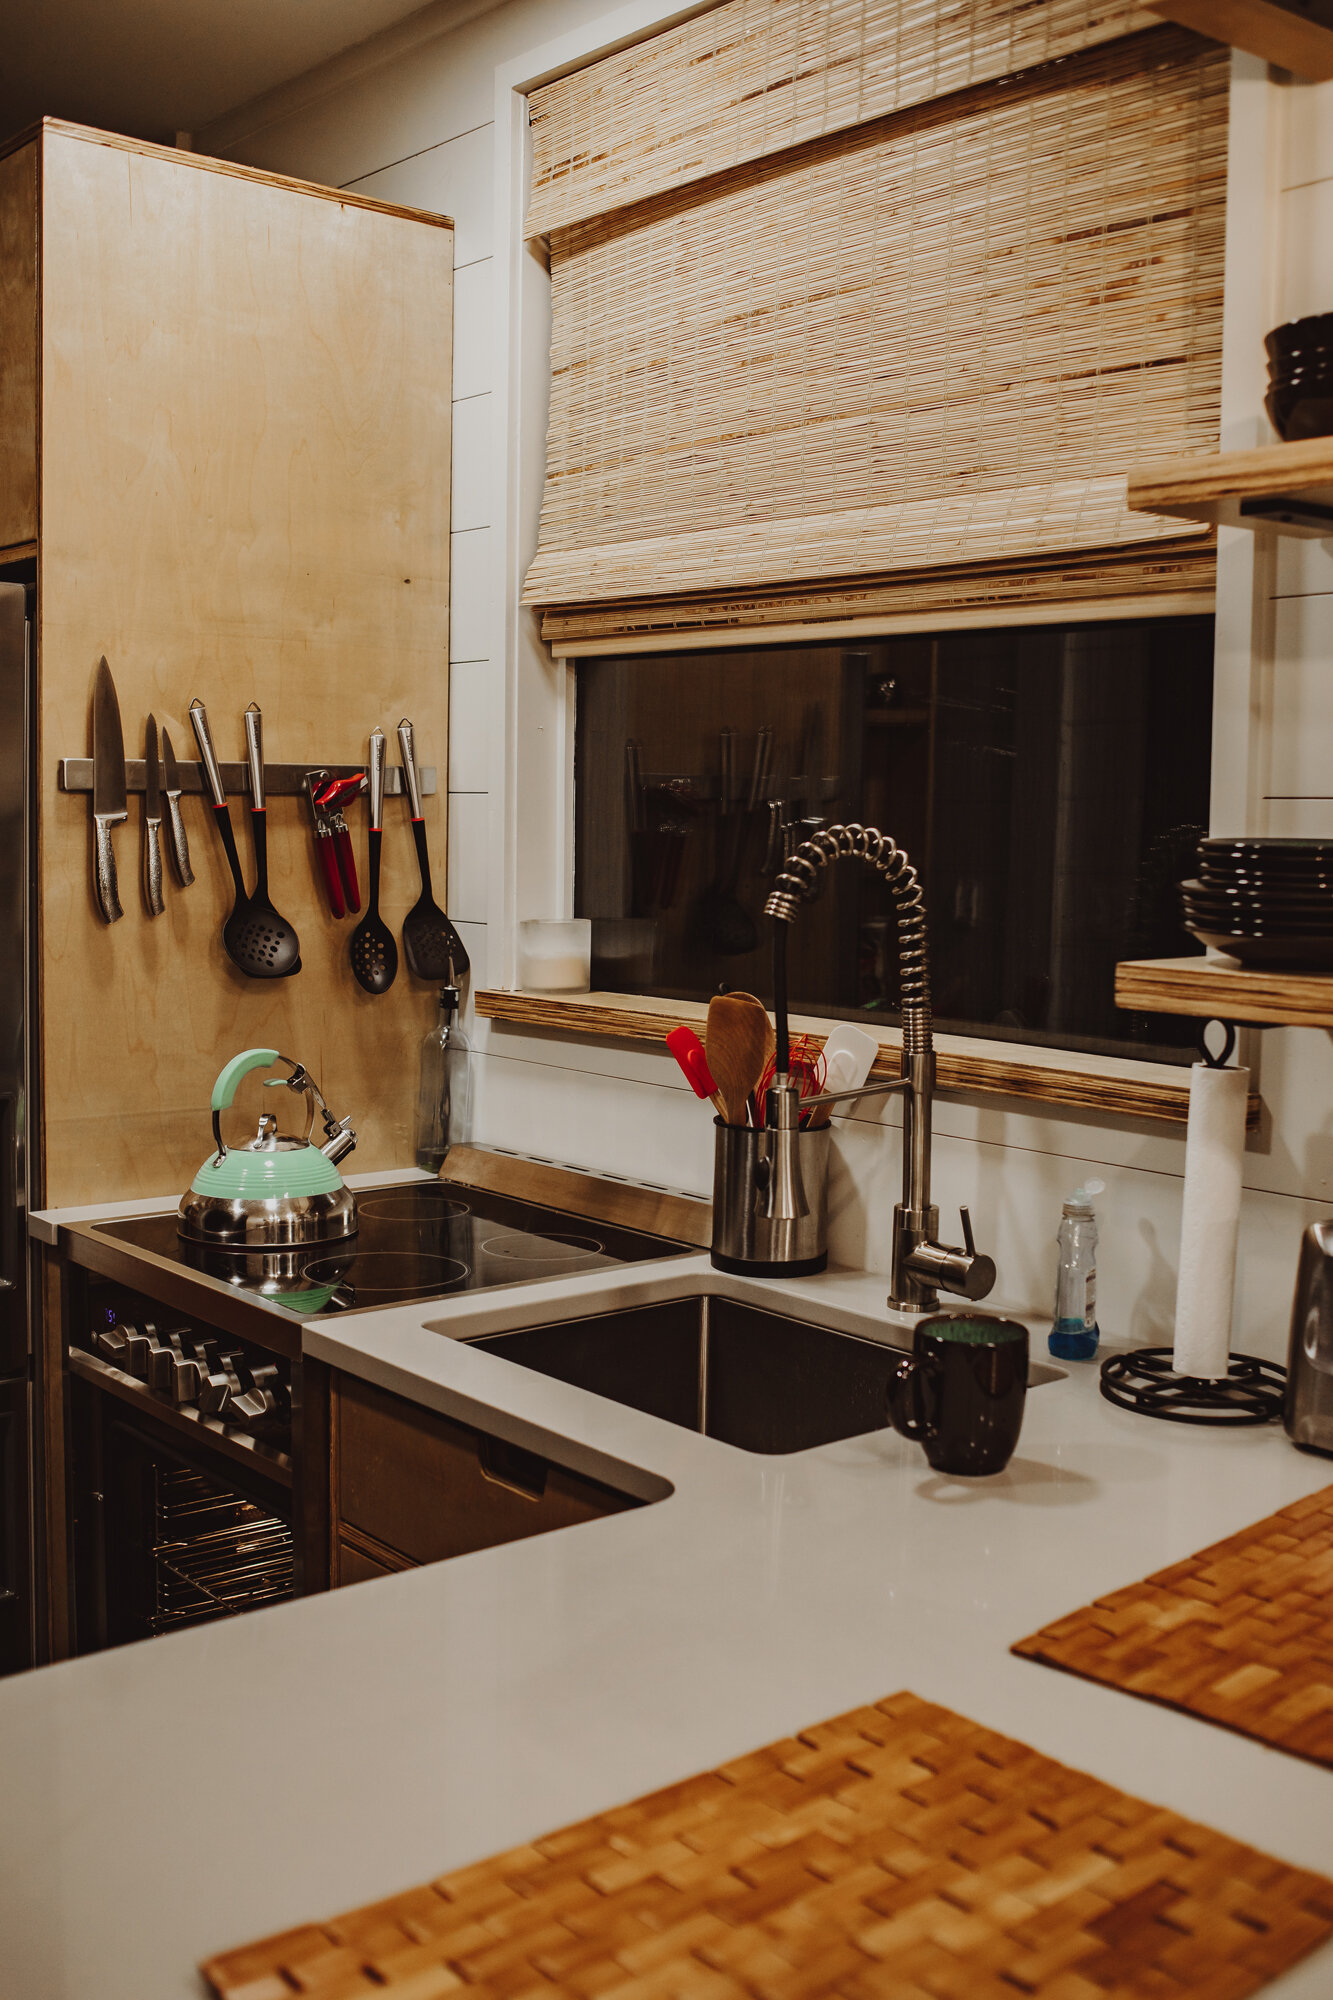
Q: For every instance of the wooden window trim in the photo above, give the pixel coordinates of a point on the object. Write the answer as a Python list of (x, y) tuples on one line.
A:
[(1120, 1086)]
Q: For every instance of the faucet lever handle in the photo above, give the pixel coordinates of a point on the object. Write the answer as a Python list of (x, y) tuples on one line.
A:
[(969, 1242)]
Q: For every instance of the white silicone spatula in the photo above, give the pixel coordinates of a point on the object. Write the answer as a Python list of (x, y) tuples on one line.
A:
[(848, 1055)]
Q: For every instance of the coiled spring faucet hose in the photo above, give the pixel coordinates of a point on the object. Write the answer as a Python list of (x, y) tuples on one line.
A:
[(799, 883)]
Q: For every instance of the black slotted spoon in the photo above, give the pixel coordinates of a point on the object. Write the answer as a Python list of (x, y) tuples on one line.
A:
[(373, 953), (246, 936), (262, 935), (431, 945)]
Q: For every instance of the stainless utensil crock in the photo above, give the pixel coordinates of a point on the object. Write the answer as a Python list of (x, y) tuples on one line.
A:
[(745, 1239)]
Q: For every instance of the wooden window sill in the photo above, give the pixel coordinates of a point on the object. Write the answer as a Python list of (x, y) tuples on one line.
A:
[(1115, 1084)]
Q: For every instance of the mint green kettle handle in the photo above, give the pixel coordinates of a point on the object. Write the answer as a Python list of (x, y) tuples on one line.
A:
[(225, 1088)]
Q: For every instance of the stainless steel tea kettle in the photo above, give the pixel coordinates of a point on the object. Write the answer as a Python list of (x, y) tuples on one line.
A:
[(273, 1191), (1308, 1407)]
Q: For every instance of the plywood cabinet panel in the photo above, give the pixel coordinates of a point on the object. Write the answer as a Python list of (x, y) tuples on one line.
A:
[(245, 453), (18, 347)]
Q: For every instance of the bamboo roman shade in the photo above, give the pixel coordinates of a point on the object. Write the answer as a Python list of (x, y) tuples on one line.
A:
[(862, 309)]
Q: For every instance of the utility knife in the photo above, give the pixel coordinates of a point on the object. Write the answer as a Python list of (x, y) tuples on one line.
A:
[(109, 807), (180, 846), (152, 821)]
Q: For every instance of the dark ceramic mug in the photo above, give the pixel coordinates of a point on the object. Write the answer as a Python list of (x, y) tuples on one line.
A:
[(960, 1392)]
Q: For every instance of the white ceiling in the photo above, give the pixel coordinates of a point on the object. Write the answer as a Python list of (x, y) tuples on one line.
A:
[(152, 68)]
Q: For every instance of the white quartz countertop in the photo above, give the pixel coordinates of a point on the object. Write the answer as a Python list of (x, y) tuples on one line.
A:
[(166, 1800)]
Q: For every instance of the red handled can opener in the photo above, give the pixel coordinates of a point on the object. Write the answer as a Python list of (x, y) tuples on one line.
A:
[(333, 839), (329, 802)]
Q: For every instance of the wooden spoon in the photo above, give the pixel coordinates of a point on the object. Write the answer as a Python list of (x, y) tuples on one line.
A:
[(738, 1041)]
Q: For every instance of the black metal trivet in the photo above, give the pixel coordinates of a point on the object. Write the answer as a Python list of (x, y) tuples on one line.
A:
[(1146, 1382)]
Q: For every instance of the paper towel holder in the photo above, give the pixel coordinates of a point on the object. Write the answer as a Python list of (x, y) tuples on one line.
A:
[(1145, 1381), (1228, 1043)]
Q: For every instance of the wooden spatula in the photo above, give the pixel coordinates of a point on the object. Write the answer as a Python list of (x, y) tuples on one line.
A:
[(738, 1041)]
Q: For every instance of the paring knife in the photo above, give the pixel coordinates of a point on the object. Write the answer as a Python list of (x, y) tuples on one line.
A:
[(180, 846), (152, 821), (109, 807)]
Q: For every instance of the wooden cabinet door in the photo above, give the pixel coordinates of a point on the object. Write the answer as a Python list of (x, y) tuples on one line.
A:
[(245, 454), (424, 1487), (18, 347)]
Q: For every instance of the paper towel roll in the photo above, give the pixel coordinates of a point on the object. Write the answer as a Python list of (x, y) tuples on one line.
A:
[(1210, 1220)]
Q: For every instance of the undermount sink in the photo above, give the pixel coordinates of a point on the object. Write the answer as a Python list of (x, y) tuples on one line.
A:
[(753, 1379)]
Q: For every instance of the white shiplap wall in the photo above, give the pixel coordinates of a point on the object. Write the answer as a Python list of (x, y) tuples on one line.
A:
[(417, 124)]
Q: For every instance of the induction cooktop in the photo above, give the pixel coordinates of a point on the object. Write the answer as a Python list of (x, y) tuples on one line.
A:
[(416, 1240)]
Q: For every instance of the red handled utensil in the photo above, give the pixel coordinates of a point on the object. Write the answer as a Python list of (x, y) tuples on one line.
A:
[(315, 782), (688, 1050), (330, 801)]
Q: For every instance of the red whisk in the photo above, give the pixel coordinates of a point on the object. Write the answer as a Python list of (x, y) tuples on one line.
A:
[(805, 1067)]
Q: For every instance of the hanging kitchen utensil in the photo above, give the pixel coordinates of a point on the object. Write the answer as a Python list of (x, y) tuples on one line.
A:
[(203, 736), (152, 821), (313, 784), (273, 1191), (180, 846), (109, 803), (243, 940), (672, 807), (641, 848), (333, 796), (738, 1041), (723, 922), (373, 953), (431, 945), (266, 938)]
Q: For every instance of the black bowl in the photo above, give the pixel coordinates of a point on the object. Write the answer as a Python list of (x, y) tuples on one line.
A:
[(1298, 935), (1282, 848), (1316, 330), (1302, 410), (1303, 954), (1263, 895), (1258, 922)]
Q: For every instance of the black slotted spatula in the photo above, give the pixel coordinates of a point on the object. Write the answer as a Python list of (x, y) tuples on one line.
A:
[(431, 945), (374, 954)]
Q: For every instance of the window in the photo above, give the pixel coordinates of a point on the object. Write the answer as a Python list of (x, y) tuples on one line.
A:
[(863, 310), (1049, 782)]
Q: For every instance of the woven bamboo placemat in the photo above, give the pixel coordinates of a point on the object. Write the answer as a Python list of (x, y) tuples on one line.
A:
[(899, 1851), (1240, 1634)]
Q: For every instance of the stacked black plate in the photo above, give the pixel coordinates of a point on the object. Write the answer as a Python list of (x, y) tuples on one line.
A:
[(1300, 378), (1265, 902)]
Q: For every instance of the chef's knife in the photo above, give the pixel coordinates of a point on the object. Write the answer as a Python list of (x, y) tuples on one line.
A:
[(152, 821), (109, 808), (180, 846)]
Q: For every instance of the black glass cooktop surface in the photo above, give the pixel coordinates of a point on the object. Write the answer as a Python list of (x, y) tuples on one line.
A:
[(419, 1240)]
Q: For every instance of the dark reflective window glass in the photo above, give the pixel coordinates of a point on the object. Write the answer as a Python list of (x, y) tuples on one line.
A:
[(1049, 783)]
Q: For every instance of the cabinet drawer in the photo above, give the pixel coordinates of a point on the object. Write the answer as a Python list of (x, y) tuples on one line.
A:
[(430, 1488), (353, 1562)]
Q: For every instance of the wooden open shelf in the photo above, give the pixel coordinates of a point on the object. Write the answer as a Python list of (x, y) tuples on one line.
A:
[(1116, 1084), (1217, 488), (1294, 34), (1216, 989)]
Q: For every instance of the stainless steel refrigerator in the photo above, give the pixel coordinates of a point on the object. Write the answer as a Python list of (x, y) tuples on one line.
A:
[(17, 1396)]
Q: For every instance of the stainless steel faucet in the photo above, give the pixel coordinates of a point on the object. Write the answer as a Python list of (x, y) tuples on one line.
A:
[(921, 1264)]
